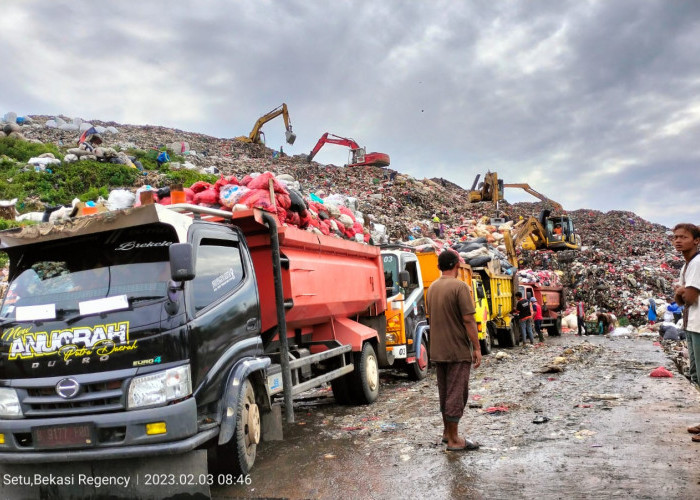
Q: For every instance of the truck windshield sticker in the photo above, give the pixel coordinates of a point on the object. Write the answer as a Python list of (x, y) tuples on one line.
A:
[(222, 279), (78, 342), (33, 313), (133, 245), (106, 304)]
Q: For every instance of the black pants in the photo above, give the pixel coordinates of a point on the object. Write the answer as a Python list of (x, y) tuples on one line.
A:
[(581, 324)]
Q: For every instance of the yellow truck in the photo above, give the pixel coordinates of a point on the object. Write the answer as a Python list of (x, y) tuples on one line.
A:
[(408, 275), (499, 289), (430, 272)]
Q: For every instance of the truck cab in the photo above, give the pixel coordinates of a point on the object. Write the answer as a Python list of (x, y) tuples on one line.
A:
[(407, 327)]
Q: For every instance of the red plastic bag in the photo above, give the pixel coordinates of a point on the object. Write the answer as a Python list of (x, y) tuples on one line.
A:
[(661, 372), (262, 182), (199, 186), (283, 200), (246, 180), (209, 197)]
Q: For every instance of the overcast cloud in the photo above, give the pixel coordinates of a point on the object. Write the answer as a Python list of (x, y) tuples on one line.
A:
[(593, 103)]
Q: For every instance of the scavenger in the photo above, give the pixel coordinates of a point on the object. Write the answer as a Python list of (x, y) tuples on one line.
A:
[(686, 239), (454, 346)]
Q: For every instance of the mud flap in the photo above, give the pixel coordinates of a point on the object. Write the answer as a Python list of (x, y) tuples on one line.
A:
[(232, 393), (148, 478)]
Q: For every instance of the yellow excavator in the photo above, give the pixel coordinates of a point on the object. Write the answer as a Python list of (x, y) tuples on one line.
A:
[(552, 232), (491, 189), (256, 135)]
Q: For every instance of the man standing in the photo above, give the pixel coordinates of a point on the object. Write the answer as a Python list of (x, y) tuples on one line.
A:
[(537, 318), (686, 238), (454, 346), (581, 317), (524, 312)]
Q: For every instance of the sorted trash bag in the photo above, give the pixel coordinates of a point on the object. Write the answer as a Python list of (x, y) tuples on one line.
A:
[(231, 195), (120, 199)]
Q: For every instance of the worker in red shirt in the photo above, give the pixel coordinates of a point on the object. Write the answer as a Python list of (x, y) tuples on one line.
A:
[(581, 317), (537, 318)]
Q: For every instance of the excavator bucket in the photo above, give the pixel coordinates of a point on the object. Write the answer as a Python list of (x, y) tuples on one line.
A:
[(290, 136)]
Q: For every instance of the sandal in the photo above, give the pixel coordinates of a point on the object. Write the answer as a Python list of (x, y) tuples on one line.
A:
[(694, 430), (696, 438), (470, 445)]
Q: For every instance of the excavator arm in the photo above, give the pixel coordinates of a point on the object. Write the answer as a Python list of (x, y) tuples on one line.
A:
[(359, 157), (331, 139), (255, 134), (536, 194)]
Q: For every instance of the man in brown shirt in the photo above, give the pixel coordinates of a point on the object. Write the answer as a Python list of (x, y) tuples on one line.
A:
[(454, 346)]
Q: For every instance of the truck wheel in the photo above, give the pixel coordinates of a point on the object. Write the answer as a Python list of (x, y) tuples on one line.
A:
[(555, 329), (487, 341), (366, 376), (418, 370), (506, 336), (239, 453), (341, 389)]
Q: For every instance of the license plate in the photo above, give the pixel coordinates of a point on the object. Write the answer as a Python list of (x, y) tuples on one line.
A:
[(64, 436)]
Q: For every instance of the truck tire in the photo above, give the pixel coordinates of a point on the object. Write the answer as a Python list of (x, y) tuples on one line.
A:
[(506, 336), (419, 369), (341, 389), (555, 329), (365, 388), (238, 455), (487, 342)]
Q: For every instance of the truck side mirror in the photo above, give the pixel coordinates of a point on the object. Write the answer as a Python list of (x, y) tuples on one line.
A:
[(181, 262), (404, 279)]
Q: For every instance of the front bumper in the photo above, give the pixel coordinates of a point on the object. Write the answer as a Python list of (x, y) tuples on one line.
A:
[(129, 426)]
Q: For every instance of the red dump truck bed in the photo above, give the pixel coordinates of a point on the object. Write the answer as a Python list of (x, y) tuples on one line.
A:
[(326, 277)]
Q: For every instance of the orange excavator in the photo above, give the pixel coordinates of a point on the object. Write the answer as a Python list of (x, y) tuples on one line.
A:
[(358, 156)]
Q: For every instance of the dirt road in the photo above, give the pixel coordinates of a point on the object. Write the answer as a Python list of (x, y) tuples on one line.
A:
[(606, 429)]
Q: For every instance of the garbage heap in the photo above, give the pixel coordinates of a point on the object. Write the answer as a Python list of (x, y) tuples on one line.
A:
[(624, 259)]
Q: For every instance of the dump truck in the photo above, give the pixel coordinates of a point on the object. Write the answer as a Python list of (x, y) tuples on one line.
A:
[(429, 266), (158, 330), (551, 299), (499, 289), (408, 274)]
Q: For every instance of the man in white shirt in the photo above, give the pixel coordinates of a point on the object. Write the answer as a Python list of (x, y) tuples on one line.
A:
[(686, 239)]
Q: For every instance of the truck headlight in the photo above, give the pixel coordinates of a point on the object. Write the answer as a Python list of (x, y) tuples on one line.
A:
[(9, 403), (156, 389), (391, 338)]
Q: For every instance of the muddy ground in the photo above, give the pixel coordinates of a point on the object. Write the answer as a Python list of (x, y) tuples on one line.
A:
[(609, 430)]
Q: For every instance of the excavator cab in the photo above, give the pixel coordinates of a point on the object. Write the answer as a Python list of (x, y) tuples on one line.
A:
[(560, 232)]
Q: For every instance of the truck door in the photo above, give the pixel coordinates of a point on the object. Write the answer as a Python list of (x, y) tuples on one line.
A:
[(414, 304), (223, 302)]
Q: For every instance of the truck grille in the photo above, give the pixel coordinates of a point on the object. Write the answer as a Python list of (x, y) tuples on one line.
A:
[(39, 397)]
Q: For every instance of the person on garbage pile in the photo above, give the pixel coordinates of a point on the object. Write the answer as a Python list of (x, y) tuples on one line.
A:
[(686, 239), (537, 318), (523, 312), (668, 331), (603, 323), (436, 225), (163, 157), (454, 346), (581, 318), (676, 310), (651, 311)]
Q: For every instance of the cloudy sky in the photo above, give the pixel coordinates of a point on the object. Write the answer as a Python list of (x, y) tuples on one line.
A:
[(593, 103)]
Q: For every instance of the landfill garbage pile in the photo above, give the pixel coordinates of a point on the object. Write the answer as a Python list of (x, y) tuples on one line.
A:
[(624, 259)]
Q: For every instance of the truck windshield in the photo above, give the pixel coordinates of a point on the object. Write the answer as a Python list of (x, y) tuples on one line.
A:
[(64, 274), (391, 274)]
